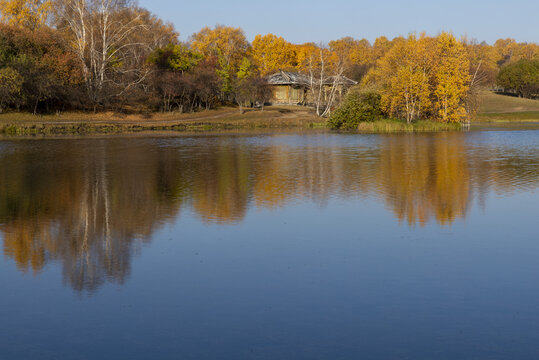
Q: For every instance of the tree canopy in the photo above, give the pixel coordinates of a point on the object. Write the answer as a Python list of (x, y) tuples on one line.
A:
[(521, 78), (113, 54)]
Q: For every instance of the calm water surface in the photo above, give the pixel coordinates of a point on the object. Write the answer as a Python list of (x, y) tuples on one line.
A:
[(271, 246)]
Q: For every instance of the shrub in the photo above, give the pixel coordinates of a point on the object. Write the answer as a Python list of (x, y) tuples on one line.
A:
[(357, 107), (521, 78)]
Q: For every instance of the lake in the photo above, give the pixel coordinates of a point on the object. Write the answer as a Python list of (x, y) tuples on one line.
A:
[(296, 245)]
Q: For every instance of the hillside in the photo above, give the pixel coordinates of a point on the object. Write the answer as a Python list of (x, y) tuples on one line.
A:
[(495, 103), (495, 108)]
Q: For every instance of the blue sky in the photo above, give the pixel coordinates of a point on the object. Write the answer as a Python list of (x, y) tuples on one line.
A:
[(320, 21)]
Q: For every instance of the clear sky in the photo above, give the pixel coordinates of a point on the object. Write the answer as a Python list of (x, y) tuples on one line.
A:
[(320, 21)]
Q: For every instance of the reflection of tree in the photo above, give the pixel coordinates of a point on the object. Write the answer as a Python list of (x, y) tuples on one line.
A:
[(86, 211), (221, 183), (422, 177), (89, 204)]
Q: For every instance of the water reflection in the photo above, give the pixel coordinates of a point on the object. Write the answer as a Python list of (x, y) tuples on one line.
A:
[(89, 204), (425, 178)]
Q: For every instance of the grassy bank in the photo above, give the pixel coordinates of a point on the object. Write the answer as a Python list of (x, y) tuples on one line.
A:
[(496, 108), (215, 120), (492, 103), (222, 119), (393, 126), (525, 116)]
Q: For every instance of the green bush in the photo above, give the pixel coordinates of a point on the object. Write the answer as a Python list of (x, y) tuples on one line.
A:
[(357, 107), (521, 78)]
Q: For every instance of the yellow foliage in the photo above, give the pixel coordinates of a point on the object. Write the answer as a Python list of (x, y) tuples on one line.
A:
[(306, 55), (380, 48), (272, 53), (354, 52), (483, 63), (313, 58), (509, 51), (225, 41), (423, 77), (27, 13), (452, 78), (405, 73)]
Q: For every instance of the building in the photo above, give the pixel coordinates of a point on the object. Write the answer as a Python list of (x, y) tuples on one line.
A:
[(288, 87), (294, 88)]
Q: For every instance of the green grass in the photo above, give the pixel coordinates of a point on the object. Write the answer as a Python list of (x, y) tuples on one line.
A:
[(392, 126)]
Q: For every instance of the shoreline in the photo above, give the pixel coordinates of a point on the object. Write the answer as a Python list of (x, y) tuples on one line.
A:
[(223, 119), (89, 127), (78, 123)]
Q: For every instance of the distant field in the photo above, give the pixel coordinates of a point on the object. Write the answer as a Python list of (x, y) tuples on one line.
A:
[(503, 108), (525, 116), (495, 103)]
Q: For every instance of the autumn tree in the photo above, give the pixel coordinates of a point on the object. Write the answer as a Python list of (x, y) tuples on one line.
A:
[(106, 36), (403, 76), (451, 79), (528, 51), (151, 33), (37, 67), (207, 82), (26, 13), (423, 78), (509, 51), (380, 48), (261, 92), (506, 49), (229, 45), (483, 71), (183, 79), (228, 42), (325, 70), (305, 56), (241, 88), (170, 63), (10, 86), (175, 57), (271, 53), (356, 54)]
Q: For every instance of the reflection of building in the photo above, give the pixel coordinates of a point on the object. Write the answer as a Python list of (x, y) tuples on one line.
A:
[(294, 88)]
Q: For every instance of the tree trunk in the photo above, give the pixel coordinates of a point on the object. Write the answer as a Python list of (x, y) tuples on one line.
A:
[(35, 106)]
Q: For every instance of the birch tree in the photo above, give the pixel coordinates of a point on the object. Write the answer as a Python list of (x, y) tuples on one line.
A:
[(325, 71), (404, 77), (102, 33)]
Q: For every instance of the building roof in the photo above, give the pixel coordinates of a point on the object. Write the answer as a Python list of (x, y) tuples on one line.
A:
[(288, 78), (298, 79)]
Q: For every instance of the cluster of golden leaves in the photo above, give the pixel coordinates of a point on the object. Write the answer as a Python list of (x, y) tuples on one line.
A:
[(268, 53), (27, 13), (424, 77)]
